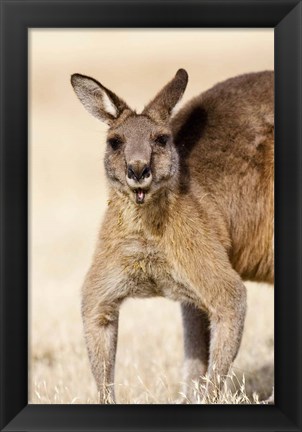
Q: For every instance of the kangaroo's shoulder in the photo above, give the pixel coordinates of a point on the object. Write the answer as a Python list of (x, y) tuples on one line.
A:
[(255, 86), (252, 88), (244, 102)]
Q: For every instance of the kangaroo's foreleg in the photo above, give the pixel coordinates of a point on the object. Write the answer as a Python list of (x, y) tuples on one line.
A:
[(103, 292), (227, 322), (101, 340)]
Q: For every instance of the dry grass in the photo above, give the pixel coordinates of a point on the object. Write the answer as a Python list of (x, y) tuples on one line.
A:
[(68, 196), (149, 359)]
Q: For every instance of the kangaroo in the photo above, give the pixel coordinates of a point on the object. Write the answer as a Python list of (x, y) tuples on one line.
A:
[(190, 217)]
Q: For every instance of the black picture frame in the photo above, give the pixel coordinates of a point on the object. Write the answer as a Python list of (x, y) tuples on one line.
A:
[(16, 17)]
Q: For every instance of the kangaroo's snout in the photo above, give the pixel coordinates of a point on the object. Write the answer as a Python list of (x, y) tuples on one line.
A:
[(138, 170), (139, 179)]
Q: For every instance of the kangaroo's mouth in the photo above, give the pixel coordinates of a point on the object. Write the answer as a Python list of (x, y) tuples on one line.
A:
[(139, 195), (139, 188)]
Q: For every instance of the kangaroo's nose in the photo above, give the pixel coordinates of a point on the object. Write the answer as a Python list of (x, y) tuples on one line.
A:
[(138, 170)]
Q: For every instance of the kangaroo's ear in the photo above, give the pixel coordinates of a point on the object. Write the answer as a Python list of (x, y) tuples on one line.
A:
[(97, 99), (160, 108)]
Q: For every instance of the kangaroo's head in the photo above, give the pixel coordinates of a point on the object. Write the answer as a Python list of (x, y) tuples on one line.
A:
[(140, 157)]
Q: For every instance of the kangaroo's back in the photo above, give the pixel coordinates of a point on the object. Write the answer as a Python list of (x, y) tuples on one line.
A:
[(226, 140)]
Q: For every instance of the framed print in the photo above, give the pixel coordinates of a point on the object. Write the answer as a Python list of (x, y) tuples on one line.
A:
[(172, 203)]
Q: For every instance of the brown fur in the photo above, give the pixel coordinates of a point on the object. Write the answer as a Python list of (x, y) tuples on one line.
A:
[(205, 224)]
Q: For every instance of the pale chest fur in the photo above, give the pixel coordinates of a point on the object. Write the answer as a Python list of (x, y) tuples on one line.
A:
[(140, 255), (165, 262), (146, 266), (152, 273)]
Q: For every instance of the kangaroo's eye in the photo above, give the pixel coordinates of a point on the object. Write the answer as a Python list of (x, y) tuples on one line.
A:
[(115, 142), (162, 139)]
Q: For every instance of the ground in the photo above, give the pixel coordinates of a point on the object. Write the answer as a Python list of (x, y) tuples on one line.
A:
[(149, 357)]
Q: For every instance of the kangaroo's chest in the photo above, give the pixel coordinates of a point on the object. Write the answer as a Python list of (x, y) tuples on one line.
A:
[(149, 271)]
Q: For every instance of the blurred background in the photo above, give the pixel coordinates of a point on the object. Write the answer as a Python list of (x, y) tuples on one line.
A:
[(68, 194)]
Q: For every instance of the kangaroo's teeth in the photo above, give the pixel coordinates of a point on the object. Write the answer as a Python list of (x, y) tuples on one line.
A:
[(140, 196)]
